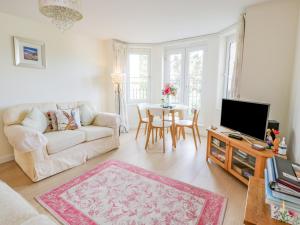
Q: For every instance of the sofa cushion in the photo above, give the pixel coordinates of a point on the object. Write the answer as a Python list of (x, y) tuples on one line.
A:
[(14, 208), (60, 140), (95, 132), (36, 120), (65, 119), (87, 115)]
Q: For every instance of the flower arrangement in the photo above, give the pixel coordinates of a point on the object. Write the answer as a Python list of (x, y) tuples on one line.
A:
[(169, 89)]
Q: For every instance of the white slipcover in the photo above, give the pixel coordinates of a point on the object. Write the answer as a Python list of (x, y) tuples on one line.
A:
[(61, 140), (95, 132), (31, 148), (38, 220), (15, 210)]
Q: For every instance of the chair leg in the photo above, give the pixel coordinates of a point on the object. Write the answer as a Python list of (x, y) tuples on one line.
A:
[(163, 134), (156, 130), (148, 137), (178, 130), (146, 126), (194, 135), (152, 136), (138, 130), (173, 132), (183, 133), (198, 133)]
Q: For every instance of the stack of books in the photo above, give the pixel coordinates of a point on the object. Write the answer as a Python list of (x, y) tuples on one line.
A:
[(282, 185)]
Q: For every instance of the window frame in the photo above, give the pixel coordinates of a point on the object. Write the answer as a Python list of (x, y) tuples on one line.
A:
[(185, 50), (138, 51), (166, 77)]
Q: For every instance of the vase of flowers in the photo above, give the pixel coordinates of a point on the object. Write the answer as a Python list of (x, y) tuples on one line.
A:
[(168, 90)]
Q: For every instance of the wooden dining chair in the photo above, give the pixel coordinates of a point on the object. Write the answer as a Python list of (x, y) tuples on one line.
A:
[(157, 124), (142, 120), (192, 124)]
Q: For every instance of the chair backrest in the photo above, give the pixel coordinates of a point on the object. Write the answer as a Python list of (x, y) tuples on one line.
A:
[(195, 115), (141, 108), (157, 112)]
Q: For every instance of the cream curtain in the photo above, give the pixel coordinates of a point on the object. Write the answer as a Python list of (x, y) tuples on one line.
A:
[(120, 67), (240, 36)]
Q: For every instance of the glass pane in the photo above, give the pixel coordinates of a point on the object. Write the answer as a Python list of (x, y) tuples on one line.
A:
[(175, 68), (231, 61), (218, 149), (195, 68), (138, 76), (243, 163)]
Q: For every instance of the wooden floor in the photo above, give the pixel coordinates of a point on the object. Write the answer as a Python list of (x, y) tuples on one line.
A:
[(184, 164)]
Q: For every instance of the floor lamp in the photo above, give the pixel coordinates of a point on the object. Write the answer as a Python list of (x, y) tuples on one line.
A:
[(117, 79)]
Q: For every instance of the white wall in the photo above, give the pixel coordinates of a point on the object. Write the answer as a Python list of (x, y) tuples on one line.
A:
[(75, 69), (294, 125), (269, 56)]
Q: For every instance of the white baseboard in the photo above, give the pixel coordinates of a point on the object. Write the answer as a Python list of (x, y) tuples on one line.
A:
[(6, 158)]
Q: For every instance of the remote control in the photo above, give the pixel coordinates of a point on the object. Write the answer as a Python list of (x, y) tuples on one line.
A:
[(235, 136)]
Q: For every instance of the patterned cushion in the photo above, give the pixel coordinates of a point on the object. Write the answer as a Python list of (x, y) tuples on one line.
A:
[(52, 121), (65, 120)]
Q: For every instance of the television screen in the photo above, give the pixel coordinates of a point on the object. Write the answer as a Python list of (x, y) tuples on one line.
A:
[(248, 118)]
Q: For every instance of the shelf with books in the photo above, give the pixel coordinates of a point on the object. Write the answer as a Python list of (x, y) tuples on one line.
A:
[(236, 156), (219, 148), (218, 151), (244, 158)]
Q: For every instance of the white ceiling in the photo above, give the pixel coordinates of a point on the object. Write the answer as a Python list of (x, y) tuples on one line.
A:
[(144, 21)]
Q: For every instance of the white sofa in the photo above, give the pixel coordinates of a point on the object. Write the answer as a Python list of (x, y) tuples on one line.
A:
[(41, 155), (15, 210)]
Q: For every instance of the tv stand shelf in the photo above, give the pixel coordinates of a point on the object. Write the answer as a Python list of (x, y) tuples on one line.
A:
[(236, 156)]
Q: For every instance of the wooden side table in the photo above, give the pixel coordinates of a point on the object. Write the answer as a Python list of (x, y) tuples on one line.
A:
[(257, 212)]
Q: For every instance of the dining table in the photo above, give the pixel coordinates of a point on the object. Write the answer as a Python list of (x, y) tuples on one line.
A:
[(172, 109)]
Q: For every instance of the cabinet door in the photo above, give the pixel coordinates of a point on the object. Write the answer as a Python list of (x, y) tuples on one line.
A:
[(217, 150), (241, 164)]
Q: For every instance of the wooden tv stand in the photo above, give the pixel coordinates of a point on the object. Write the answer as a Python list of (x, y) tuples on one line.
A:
[(235, 156)]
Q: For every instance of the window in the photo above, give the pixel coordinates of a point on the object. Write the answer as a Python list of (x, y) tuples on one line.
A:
[(184, 68), (229, 67), (138, 79)]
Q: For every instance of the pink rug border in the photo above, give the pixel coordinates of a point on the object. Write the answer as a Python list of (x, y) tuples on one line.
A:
[(182, 186)]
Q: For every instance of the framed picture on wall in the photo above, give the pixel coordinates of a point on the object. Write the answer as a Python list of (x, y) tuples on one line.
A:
[(29, 53)]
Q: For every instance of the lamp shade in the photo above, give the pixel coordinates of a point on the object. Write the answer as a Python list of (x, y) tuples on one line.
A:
[(117, 78)]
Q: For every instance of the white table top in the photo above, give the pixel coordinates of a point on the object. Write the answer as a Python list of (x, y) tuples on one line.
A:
[(175, 107)]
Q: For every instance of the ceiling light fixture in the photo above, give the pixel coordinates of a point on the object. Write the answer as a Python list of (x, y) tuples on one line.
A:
[(64, 13)]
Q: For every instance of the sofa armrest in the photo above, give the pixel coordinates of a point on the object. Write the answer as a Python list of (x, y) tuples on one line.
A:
[(111, 120), (25, 139)]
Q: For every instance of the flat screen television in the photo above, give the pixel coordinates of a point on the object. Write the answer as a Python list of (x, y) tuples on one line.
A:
[(248, 118)]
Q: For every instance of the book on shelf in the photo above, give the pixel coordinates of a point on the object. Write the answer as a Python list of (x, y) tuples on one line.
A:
[(278, 187), (272, 200), (285, 173)]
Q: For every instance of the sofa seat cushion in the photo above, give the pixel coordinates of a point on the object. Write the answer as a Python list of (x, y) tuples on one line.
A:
[(61, 140), (95, 132)]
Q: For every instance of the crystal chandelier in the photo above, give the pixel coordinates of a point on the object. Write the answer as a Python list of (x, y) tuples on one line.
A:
[(64, 13)]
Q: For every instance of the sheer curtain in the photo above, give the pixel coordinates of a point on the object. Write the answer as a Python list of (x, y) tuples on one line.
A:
[(240, 36), (120, 67)]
